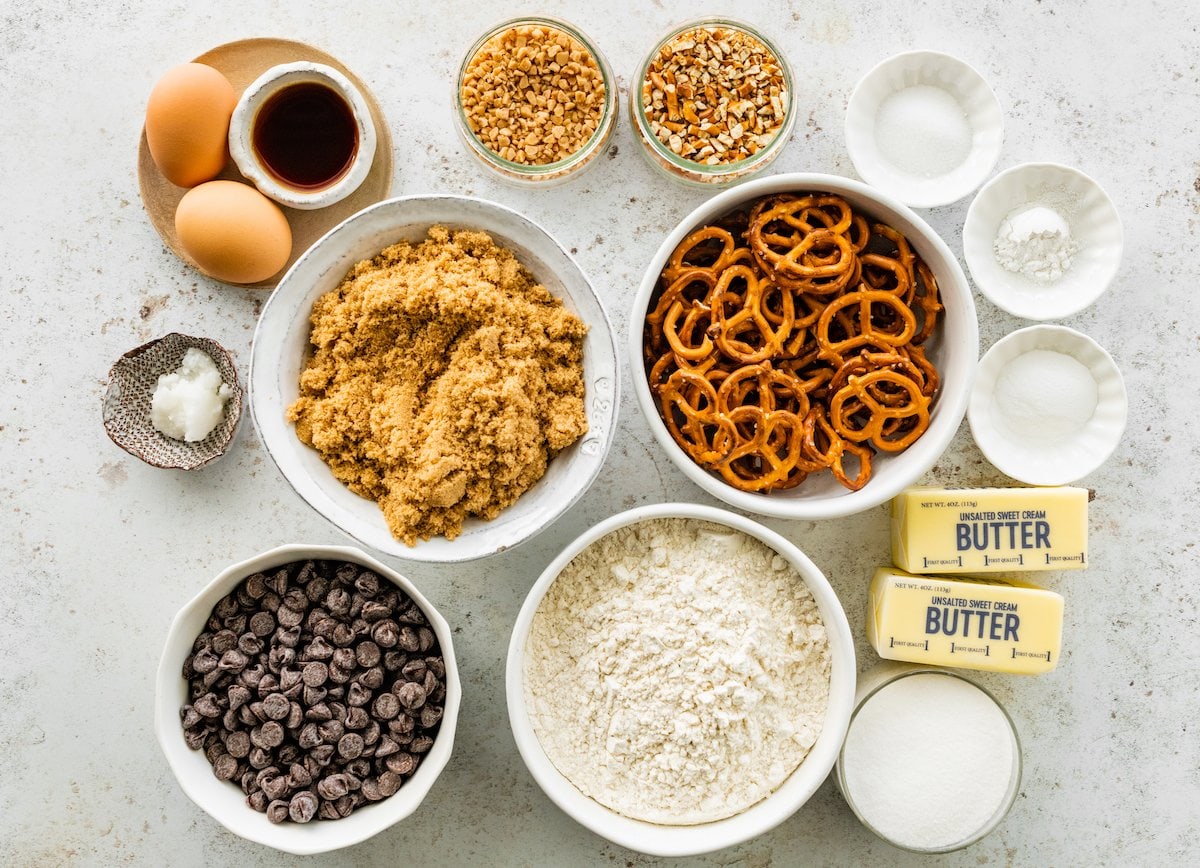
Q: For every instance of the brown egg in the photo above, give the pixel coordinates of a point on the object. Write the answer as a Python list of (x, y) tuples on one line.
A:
[(187, 123), (234, 232)]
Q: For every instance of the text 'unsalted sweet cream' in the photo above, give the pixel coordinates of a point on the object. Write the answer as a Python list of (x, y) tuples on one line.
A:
[(982, 530), (990, 624)]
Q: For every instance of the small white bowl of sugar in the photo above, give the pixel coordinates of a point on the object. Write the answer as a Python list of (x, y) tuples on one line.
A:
[(1048, 405), (1043, 241), (924, 127)]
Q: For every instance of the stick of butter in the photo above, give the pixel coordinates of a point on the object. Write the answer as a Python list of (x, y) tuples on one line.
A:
[(984, 530), (993, 624)]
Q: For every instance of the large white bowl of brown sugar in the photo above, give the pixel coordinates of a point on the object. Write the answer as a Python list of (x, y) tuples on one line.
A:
[(680, 679), (437, 377)]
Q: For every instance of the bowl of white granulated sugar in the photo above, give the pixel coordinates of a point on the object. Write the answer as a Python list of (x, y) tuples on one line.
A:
[(680, 679)]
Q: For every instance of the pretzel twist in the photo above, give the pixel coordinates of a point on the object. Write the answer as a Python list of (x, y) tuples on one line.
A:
[(786, 340)]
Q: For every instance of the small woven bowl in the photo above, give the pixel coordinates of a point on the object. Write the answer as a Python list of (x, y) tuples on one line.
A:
[(126, 408)]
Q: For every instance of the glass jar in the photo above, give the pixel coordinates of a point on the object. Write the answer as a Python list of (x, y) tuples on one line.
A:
[(546, 174), (700, 172), (870, 684)]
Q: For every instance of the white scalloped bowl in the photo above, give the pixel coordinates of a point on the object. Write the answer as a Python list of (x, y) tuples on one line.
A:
[(281, 343), (954, 349), (1033, 460), (1095, 227), (910, 69), (798, 788), (224, 800)]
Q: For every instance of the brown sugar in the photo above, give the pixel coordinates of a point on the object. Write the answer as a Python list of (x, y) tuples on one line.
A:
[(443, 378)]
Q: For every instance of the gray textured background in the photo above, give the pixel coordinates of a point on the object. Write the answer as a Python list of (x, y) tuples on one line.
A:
[(101, 549)]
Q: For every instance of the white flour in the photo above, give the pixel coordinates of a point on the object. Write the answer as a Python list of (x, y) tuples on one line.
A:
[(677, 671)]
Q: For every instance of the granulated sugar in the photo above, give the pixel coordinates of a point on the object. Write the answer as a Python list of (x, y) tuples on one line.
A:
[(929, 761), (677, 671), (923, 130)]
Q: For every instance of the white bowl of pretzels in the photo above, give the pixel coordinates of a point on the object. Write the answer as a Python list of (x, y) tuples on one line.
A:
[(803, 346)]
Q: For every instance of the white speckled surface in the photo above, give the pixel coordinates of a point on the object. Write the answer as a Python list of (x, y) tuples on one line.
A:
[(101, 549)]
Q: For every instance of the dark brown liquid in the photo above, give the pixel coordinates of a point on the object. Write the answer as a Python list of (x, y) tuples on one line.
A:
[(306, 136)]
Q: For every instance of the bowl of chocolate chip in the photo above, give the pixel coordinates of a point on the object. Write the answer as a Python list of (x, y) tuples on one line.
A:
[(307, 698)]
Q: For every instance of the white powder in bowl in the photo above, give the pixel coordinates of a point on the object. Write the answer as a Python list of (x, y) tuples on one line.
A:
[(923, 130), (677, 671), (1035, 241), (189, 402), (929, 761), (1045, 396)]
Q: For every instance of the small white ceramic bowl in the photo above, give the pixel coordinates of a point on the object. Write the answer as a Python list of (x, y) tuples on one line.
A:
[(660, 840), (953, 349), (224, 801), (281, 343), (245, 114), (1035, 461), (1095, 227), (961, 81)]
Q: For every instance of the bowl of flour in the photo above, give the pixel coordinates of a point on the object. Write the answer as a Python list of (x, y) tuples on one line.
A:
[(680, 679)]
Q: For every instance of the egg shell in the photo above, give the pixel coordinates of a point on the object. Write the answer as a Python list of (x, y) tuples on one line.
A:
[(187, 123), (233, 232)]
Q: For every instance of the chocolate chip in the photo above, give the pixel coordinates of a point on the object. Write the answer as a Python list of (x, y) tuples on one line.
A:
[(207, 706), (256, 586), (402, 763), (289, 617), (372, 678), (315, 674), (350, 746), (389, 783), (385, 633), (233, 660), (367, 654), (295, 717), (299, 776), (386, 746), (331, 731), (386, 706), (250, 644), (421, 744), (358, 695), (275, 706), (356, 717), (275, 785), (306, 668), (204, 661), (431, 715), (408, 639), (238, 744), (411, 695), (225, 767), (278, 811), (372, 790), (332, 786), (262, 624), (367, 583)]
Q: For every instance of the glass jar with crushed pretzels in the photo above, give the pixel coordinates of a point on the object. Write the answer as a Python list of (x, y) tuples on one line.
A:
[(712, 102), (535, 101)]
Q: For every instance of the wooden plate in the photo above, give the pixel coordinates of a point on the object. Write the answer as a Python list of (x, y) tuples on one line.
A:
[(241, 62)]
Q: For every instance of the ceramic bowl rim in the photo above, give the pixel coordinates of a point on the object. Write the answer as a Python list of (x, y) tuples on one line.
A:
[(660, 840)]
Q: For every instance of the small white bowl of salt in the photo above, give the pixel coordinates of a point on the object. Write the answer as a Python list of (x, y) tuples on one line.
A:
[(1048, 405), (924, 127), (1043, 241)]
